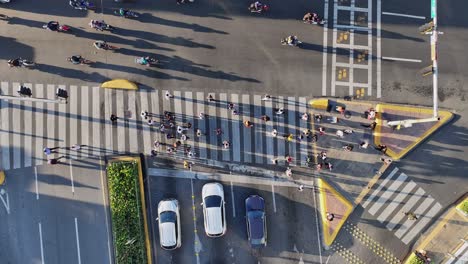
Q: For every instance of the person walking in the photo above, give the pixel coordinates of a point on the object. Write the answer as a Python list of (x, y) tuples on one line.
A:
[(226, 144), (321, 131), (288, 159), (210, 98), (300, 187), (288, 172), (280, 111), (274, 132), (54, 161), (144, 114), (198, 132), (411, 215), (150, 122), (266, 97), (265, 118), (168, 95), (248, 124), (48, 151), (330, 216), (113, 118), (75, 147)]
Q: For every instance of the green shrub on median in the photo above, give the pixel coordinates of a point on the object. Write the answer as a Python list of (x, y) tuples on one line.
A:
[(126, 213)]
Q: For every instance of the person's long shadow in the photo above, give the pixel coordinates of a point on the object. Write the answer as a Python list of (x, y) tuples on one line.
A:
[(71, 73), (179, 64), (177, 41), (146, 71), (149, 18)]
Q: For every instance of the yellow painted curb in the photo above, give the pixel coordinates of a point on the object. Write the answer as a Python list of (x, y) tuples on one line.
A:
[(320, 104), (410, 258), (323, 186), (2, 177), (120, 84), (143, 205), (371, 183), (445, 116), (460, 207)]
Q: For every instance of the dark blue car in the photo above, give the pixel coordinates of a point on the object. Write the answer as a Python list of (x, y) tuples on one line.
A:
[(256, 221)]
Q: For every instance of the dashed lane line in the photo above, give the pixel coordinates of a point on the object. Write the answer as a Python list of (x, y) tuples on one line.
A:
[(403, 15)]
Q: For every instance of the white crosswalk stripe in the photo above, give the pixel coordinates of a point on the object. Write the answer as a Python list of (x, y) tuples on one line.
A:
[(85, 121), (396, 195)]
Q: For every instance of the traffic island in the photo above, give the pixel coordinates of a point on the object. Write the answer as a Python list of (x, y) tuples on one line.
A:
[(401, 140), (128, 211), (334, 210)]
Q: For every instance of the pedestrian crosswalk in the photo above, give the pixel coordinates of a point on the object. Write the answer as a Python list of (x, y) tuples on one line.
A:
[(397, 195), (28, 127)]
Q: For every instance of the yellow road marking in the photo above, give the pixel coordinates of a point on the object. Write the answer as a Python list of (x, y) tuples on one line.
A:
[(437, 229), (371, 183)]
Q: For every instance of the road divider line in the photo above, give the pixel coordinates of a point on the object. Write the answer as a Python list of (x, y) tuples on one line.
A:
[(42, 245), (273, 196), (197, 247), (233, 204), (325, 47), (37, 188), (379, 49), (317, 223), (402, 15), (105, 210), (77, 241), (71, 177), (400, 59)]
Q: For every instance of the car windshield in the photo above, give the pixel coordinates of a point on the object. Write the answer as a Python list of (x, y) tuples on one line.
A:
[(213, 201), (168, 217)]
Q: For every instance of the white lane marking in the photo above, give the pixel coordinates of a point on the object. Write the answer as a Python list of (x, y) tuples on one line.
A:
[(353, 8), (71, 177), (379, 49), (77, 241), (317, 226), (233, 204), (273, 196), (42, 245), (37, 187), (7, 202), (354, 66), (105, 210), (325, 44), (197, 247), (374, 194), (334, 36), (328, 259), (336, 26), (400, 59), (402, 15)]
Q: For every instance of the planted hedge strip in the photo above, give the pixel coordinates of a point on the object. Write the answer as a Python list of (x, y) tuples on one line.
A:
[(126, 213)]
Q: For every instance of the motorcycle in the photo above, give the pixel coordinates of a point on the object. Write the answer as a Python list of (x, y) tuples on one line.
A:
[(295, 41), (261, 9), (82, 5), (55, 26), (4, 17), (147, 61), (20, 62), (78, 60), (127, 14), (316, 21), (103, 45), (100, 25)]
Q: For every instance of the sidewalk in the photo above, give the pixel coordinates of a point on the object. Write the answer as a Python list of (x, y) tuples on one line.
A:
[(355, 172), (447, 241)]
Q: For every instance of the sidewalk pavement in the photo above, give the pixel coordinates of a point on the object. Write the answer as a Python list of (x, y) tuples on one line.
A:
[(354, 172), (403, 140), (447, 240)]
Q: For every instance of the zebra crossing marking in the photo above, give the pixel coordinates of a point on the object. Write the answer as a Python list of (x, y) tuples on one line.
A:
[(236, 137), (422, 205)]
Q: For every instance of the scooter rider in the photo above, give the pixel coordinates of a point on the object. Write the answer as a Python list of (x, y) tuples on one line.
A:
[(123, 12), (53, 25), (291, 40), (100, 44), (76, 59), (15, 62)]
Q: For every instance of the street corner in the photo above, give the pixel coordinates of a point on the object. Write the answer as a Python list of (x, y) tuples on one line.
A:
[(334, 210), (447, 241), (402, 138)]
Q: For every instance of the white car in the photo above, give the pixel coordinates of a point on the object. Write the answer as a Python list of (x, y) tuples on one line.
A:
[(213, 209), (169, 224), (4, 1)]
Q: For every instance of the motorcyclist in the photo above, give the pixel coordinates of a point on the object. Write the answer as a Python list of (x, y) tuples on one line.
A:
[(76, 59), (23, 90), (53, 25), (307, 17), (15, 62), (256, 7), (101, 44), (123, 12), (98, 24), (291, 40)]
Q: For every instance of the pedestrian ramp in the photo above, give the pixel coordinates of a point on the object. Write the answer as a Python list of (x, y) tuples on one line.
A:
[(395, 195), (28, 127)]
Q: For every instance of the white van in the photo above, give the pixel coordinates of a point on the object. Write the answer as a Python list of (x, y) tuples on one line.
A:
[(169, 224), (213, 209)]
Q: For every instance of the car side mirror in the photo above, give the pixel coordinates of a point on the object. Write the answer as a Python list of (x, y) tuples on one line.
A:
[(157, 219)]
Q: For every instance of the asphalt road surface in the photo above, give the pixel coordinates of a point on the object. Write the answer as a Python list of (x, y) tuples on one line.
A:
[(54, 214), (291, 222)]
